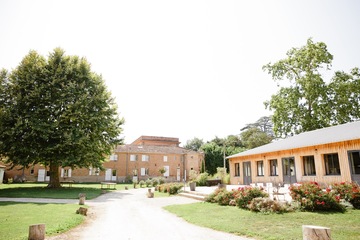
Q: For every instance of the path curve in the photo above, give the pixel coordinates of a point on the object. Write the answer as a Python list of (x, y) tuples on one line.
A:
[(130, 215)]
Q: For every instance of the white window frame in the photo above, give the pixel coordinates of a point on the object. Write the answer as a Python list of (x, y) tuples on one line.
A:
[(133, 157), (165, 158), (66, 172), (145, 158), (113, 157), (167, 171)]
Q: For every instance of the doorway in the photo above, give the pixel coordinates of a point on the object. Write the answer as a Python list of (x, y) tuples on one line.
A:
[(289, 174), (354, 161), (247, 173)]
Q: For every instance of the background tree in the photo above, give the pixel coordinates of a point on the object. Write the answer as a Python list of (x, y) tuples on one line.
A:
[(309, 103), (216, 149), (254, 137), (344, 96), (264, 124), (302, 106), (58, 113), (194, 144), (258, 133)]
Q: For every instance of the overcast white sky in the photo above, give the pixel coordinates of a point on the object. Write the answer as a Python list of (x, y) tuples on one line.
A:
[(182, 68)]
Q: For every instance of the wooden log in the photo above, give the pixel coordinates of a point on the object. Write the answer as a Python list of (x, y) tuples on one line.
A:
[(37, 232), (316, 233)]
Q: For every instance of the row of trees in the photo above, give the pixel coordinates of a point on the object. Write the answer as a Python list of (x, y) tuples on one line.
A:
[(55, 111), (252, 135)]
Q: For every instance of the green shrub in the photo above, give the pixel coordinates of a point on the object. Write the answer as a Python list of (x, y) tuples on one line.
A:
[(155, 182), (148, 182), (202, 178), (211, 197), (267, 205), (312, 198), (142, 183), (224, 197), (244, 195), (171, 188), (161, 180)]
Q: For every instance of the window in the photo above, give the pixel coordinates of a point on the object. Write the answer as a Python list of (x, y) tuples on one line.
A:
[(113, 173), (273, 167), (94, 171), (32, 171), (167, 171), (237, 169), (145, 158), (260, 168), (65, 172), (332, 166), (113, 157), (309, 166), (133, 157), (144, 171), (165, 158), (355, 162)]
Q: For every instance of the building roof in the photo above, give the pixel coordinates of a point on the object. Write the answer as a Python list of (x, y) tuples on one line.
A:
[(339, 133), (129, 148), (155, 140)]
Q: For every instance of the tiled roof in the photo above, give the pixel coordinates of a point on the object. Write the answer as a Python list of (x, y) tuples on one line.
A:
[(129, 148), (339, 133)]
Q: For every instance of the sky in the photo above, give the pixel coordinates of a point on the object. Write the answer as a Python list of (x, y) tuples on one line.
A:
[(186, 68)]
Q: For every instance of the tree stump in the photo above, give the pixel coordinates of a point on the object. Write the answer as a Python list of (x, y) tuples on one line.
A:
[(316, 233), (82, 197), (82, 211), (37, 232), (150, 194)]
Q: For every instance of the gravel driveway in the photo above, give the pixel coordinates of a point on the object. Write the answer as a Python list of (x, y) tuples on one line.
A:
[(130, 215)]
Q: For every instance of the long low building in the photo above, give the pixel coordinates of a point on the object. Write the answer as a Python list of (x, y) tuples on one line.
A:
[(325, 156), (146, 157)]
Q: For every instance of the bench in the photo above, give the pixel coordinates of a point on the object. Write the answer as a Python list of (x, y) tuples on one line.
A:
[(108, 185), (213, 182), (69, 183)]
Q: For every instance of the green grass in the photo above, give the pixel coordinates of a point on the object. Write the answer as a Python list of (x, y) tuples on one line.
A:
[(15, 218), (39, 190), (344, 226)]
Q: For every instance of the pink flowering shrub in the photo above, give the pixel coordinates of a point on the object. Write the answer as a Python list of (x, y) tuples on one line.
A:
[(244, 195), (349, 192), (311, 197)]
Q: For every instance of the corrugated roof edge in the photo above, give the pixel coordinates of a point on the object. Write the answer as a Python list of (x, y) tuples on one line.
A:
[(338, 133)]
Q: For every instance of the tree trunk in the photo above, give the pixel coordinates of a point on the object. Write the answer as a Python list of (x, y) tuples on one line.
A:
[(54, 176)]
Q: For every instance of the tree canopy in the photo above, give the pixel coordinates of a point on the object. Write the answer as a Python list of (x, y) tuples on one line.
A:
[(306, 102), (194, 144), (58, 113), (217, 148)]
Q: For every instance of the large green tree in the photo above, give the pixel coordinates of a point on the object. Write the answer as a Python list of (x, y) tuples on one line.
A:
[(57, 112), (306, 102)]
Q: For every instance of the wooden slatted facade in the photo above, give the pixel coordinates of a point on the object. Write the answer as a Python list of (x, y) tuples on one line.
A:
[(323, 163)]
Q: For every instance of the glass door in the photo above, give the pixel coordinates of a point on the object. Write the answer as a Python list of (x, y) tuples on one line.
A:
[(247, 173), (289, 174)]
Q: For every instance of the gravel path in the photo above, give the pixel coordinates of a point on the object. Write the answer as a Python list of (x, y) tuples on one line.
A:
[(131, 215)]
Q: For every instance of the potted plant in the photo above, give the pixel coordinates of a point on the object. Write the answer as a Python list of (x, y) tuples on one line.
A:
[(192, 177)]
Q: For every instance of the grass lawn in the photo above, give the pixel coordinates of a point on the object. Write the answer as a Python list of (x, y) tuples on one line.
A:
[(344, 226), (15, 218), (39, 190)]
